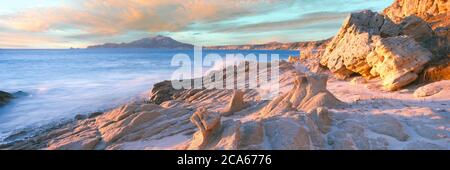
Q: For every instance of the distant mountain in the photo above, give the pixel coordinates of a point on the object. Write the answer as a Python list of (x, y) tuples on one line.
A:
[(159, 41)]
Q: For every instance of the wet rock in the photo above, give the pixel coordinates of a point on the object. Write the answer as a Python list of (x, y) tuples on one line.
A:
[(20, 94), (162, 91), (5, 97), (80, 117), (94, 114)]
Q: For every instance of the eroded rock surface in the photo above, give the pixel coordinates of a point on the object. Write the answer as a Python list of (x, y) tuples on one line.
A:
[(433, 11), (347, 52), (397, 60), (236, 103), (440, 87)]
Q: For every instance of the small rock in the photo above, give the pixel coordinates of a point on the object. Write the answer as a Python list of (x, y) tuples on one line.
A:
[(5, 97), (94, 114), (80, 117), (236, 103), (20, 94), (433, 88), (358, 80)]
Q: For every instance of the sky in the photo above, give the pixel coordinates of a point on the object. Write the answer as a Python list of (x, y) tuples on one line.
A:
[(79, 23)]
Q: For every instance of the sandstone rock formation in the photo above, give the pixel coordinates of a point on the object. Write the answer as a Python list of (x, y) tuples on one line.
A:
[(4, 97), (293, 59), (347, 52), (306, 114), (236, 103), (432, 11), (436, 72), (435, 13), (387, 125), (212, 134), (162, 92), (372, 45), (434, 88), (309, 92), (397, 60)]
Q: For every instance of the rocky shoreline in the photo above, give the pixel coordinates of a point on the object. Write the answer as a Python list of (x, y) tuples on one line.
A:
[(307, 115), (362, 90)]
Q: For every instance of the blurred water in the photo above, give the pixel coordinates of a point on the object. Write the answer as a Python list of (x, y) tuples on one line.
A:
[(63, 83)]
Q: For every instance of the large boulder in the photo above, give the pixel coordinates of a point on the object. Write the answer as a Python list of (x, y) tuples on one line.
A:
[(432, 11), (415, 28), (435, 13), (5, 97), (397, 60), (347, 52)]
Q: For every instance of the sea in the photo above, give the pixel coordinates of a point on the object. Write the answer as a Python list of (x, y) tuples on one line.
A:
[(54, 85)]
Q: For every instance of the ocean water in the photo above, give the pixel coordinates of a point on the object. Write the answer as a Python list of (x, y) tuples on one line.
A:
[(63, 83)]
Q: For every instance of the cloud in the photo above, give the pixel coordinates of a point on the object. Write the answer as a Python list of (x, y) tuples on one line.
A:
[(306, 20), (113, 17), (207, 22)]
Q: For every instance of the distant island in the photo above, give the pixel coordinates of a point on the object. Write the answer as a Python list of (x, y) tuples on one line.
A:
[(161, 42)]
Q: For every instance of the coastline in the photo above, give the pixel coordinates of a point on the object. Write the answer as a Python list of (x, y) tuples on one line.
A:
[(169, 124), (381, 83)]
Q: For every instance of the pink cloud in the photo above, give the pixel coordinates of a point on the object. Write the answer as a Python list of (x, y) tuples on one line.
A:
[(112, 17)]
